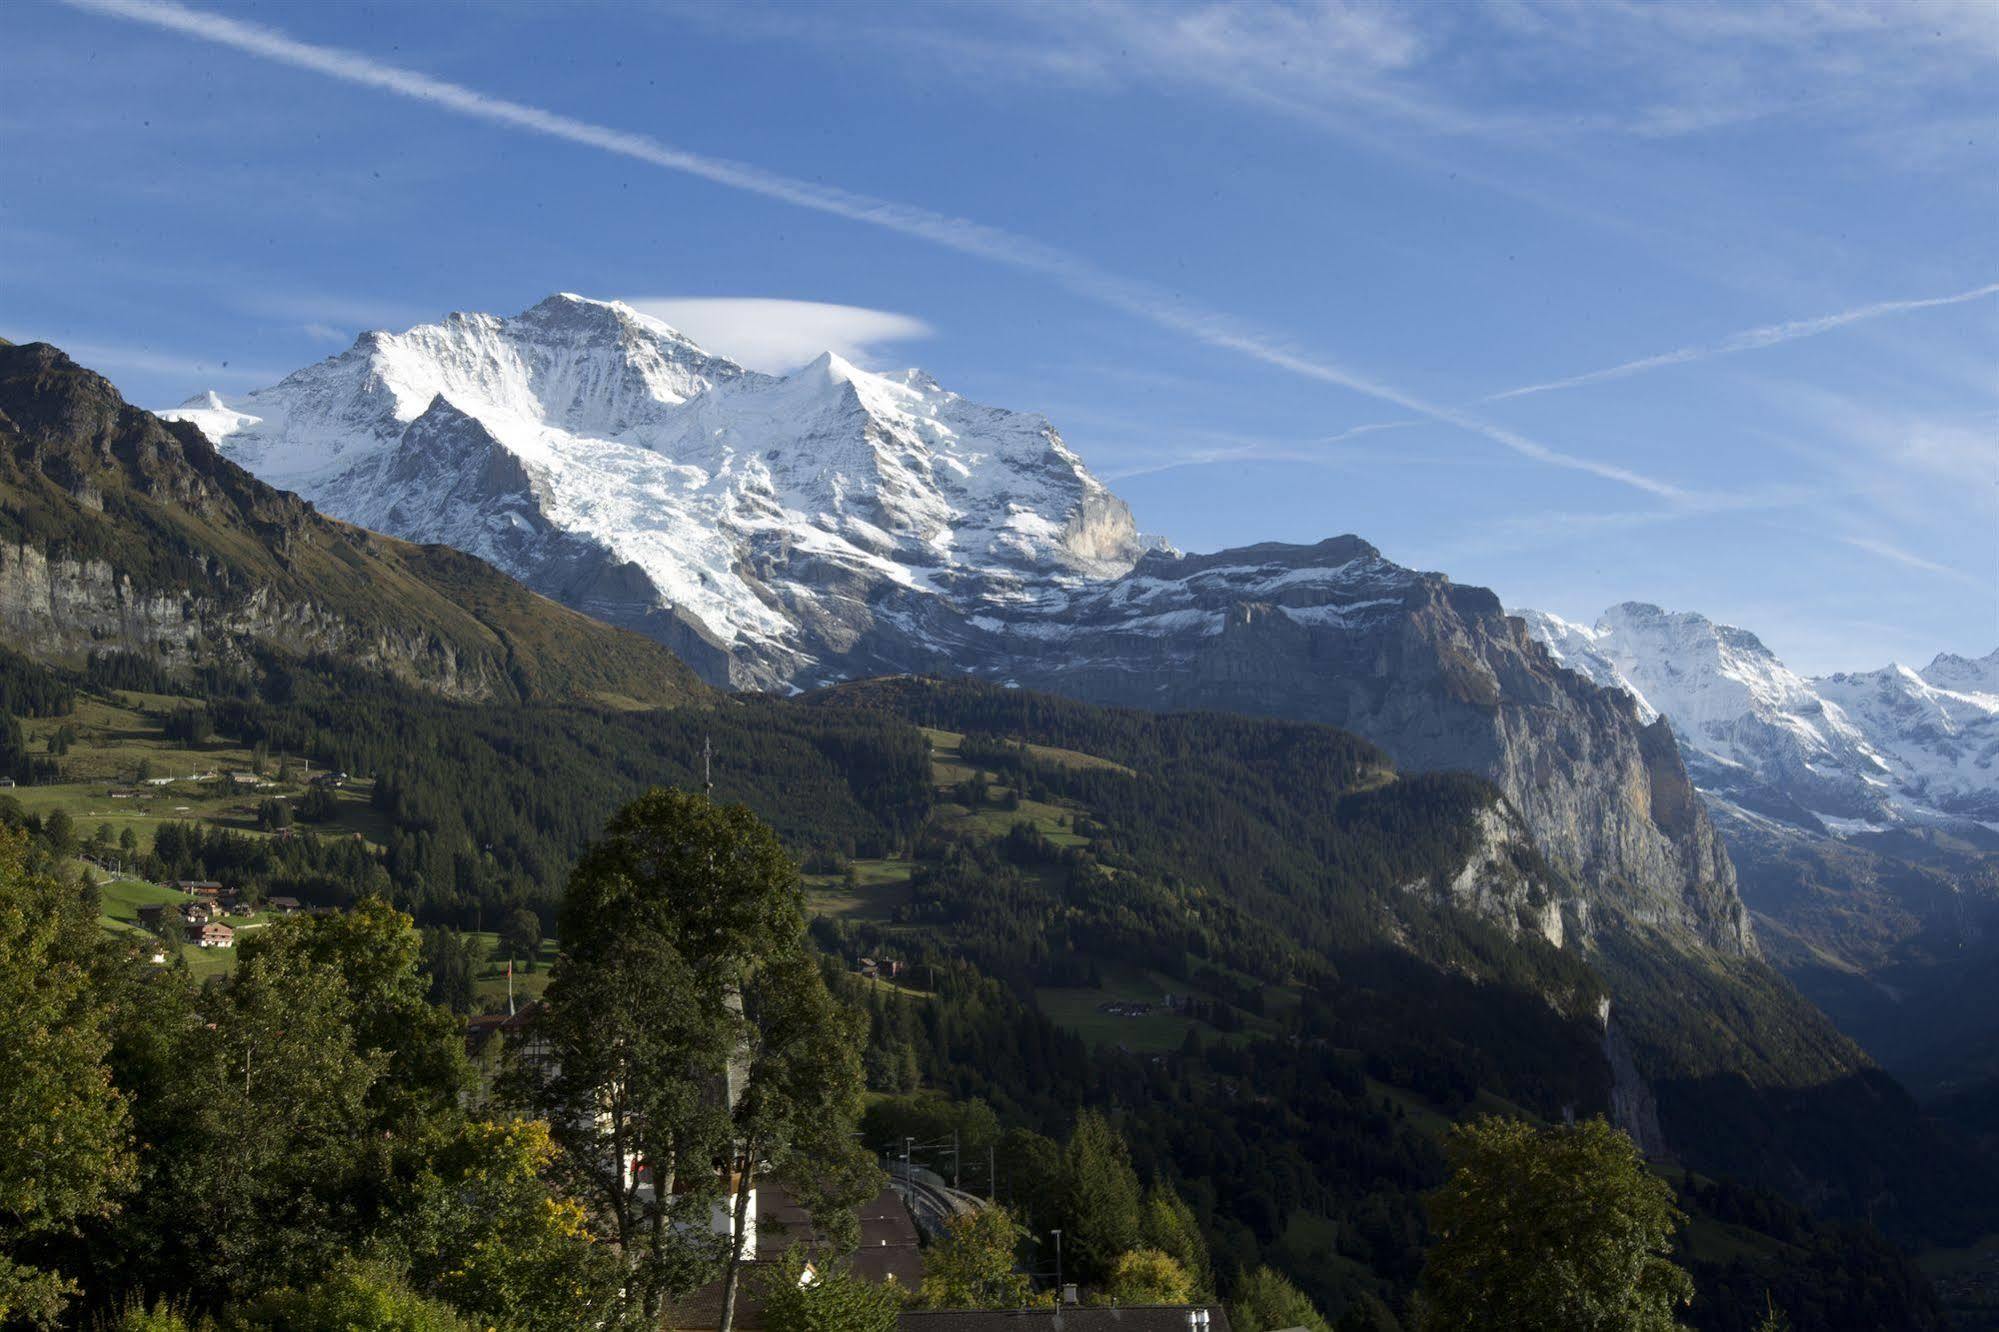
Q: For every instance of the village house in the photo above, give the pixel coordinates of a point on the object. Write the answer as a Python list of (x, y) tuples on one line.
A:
[(196, 913), (6, 783), (213, 935), (207, 889), (284, 906)]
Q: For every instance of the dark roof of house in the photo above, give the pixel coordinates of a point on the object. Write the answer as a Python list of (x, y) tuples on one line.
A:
[(887, 1249), (1128, 1318)]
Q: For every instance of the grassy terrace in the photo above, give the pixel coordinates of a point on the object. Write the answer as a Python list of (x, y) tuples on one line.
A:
[(122, 898), (114, 738)]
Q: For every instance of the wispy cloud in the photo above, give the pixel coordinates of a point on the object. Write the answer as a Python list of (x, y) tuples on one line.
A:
[(1750, 339), (1909, 559), (777, 335), (963, 235), (106, 357), (1538, 70)]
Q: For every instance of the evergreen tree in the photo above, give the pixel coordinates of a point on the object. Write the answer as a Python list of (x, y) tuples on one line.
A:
[(1100, 1198), (1169, 1225), (1266, 1301), (59, 832), (521, 936)]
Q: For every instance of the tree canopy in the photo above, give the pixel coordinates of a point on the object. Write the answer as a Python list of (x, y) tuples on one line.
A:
[(1552, 1227)]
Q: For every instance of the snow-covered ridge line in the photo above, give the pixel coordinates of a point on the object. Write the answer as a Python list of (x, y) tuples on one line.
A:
[(1854, 752), (593, 451)]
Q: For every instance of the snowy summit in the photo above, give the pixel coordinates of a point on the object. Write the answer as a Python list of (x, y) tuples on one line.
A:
[(757, 524)]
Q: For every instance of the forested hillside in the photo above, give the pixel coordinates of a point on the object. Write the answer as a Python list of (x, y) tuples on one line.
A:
[(1034, 880), (1280, 967)]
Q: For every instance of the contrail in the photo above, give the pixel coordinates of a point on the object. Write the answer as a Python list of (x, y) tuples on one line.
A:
[(1750, 339), (963, 235)]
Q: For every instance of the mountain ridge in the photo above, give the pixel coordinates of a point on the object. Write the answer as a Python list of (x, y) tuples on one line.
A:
[(835, 524), (119, 526)]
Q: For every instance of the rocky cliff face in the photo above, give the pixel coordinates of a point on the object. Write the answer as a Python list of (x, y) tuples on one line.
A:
[(69, 607), (1436, 674), (1505, 880), (1858, 809), (120, 530)]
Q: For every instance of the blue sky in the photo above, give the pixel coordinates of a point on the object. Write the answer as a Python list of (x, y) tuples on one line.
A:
[(1276, 271)]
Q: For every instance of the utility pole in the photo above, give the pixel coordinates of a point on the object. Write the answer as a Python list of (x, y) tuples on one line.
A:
[(707, 767), (954, 1158), (992, 1174), (1058, 1267)]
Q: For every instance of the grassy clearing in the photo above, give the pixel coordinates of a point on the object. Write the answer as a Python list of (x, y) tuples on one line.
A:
[(489, 983), (121, 898), (1081, 1010), (115, 736), (992, 820), (945, 747), (876, 889)]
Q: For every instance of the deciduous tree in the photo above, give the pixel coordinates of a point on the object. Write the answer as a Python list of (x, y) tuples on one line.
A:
[(67, 1153), (1557, 1227), (1147, 1276), (972, 1266)]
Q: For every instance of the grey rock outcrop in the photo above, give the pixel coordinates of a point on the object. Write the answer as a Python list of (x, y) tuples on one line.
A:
[(1435, 673)]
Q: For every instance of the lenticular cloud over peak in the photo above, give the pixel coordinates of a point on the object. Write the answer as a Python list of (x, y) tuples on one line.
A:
[(777, 335)]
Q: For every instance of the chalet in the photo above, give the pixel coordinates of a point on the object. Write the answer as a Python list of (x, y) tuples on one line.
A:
[(161, 781), (152, 915), (6, 783), (247, 779), (197, 913), (213, 935), (284, 906), (207, 889), (480, 1028)]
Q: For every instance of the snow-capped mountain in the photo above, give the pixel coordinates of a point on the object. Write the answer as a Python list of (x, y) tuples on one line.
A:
[(836, 523), (1846, 753), (762, 526)]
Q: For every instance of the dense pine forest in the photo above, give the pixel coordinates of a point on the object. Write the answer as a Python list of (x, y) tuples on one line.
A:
[(1314, 1010)]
